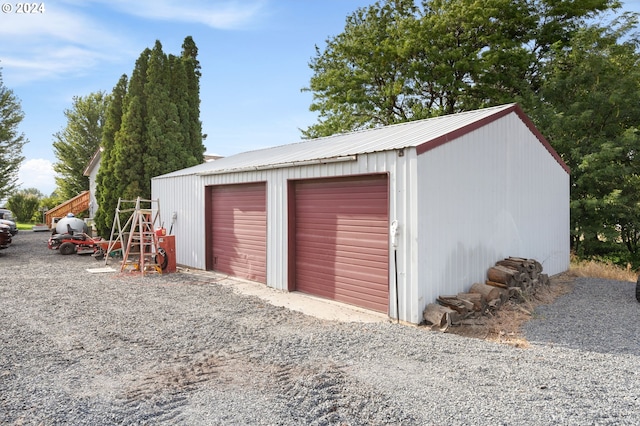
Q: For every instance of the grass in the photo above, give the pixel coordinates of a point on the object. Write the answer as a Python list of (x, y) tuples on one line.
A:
[(25, 226), (606, 270)]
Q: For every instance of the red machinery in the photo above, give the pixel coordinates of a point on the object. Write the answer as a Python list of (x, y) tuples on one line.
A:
[(81, 243)]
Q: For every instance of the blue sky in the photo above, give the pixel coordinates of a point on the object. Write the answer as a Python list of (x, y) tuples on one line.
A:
[(254, 56)]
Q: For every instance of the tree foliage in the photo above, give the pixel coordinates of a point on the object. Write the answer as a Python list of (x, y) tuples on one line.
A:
[(76, 144), (105, 183), (11, 140), (591, 114), (24, 204), (153, 127), (396, 61), (572, 65)]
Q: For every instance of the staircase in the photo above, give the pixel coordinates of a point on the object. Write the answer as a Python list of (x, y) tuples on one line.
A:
[(77, 204)]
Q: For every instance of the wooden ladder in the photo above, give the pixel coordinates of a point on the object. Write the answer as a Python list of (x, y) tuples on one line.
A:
[(142, 243)]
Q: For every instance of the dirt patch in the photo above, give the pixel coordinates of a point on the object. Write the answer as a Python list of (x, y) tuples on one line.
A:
[(505, 324)]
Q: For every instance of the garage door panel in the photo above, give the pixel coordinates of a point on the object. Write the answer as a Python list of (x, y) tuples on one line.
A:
[(371, 299), (366, 271), (371, 227), (352, 288), (239, 230), (347, 268), (341, 240), (344, 208), (351, 243), (249, 234), (346, 256)]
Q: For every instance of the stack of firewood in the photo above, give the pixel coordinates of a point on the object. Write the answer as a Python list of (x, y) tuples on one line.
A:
[(516, 272), (511, 278)]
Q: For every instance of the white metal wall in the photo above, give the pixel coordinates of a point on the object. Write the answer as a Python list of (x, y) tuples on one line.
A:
[(185, 195), (493, 193)]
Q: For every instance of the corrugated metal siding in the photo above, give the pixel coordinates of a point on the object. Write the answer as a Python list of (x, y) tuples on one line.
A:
[(495, 192), (341, 240), (185, 198), (239, 230)]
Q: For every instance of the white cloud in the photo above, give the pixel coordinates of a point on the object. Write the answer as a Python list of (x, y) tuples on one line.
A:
[(57, 24), (59, 42), (227, 14), (66, 40), (56, 62), (37, 173)]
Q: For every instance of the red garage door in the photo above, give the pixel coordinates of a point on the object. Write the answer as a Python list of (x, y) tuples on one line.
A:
[(341, 240), (237, 244)]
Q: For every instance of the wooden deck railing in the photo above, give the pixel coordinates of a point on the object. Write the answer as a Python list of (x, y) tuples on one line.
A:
[(77, 204)]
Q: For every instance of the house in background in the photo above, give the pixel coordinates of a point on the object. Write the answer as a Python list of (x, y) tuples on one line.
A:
[(92, 171), (393, 216)]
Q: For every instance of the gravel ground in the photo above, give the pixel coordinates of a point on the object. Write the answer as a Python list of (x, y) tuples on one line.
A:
[(100, 349)]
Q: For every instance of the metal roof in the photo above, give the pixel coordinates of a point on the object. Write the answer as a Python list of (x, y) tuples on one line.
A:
[(420, 134)]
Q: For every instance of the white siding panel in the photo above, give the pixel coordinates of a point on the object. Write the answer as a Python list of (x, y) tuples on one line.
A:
[(93, 203), (183, 196), (492, 193)]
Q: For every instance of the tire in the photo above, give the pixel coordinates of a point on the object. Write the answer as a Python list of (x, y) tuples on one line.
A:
[(67, 248), (162, 254), (99, 254), (638, 290)]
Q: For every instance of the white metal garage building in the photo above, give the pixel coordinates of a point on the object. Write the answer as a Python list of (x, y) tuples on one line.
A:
[(465, 190)]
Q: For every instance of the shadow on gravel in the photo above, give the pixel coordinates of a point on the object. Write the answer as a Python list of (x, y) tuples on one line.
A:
[(600, 316)]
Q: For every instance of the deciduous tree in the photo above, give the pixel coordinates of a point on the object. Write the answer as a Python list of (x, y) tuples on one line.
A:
[(11, 140), (78, 141), (396, 61), (24, 204), (591, 114)]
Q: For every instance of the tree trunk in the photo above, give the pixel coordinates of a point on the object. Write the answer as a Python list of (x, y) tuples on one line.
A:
[(437, 315), (489, 292), (502, 274), (513, 264), (495, 284), (475, 299)]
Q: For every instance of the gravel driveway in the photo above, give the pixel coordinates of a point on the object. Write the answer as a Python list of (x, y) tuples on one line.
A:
[(101, 349)]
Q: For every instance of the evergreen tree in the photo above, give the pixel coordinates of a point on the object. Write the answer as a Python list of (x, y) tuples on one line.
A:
[(180, 96), (11, 142), (106, 184), (163, 148), (191, 65), (76, 144), (159, 130), (129, 142)]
